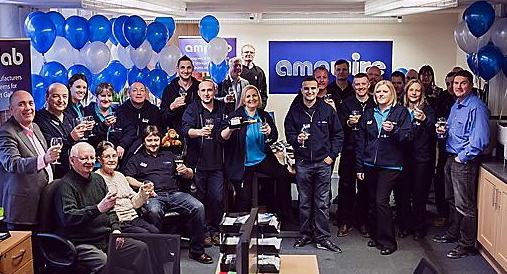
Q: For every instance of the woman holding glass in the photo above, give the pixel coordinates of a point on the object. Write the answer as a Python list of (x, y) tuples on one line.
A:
[(247, 150), (78, 87), (102, 113), (379, 160), (127, 201), (418, 161)]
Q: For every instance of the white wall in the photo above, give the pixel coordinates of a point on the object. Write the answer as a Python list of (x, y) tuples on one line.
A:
[(418, 40)]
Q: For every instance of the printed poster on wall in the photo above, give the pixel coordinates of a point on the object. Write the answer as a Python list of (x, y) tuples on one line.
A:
[(14, 68), (196, 49), (291, 61)]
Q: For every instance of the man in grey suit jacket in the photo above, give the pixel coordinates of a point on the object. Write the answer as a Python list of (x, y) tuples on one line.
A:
[(230, 89), (25, 163)]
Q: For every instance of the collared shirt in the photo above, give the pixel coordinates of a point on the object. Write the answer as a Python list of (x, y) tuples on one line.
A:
[(380, 116), (39, 149), (254, 145), (468, 128)]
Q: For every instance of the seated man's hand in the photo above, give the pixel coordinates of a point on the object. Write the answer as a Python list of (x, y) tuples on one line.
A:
[(107, 202)]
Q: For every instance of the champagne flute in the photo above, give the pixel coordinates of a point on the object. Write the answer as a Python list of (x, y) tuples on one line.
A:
[(114, 127), (417, 112), (80, 121), (264, 128), (183, 92), (90, 121), (231, 95), (209, 123), (178, 160), (356, 114), (305, 130), (441, 123), (57, 141)]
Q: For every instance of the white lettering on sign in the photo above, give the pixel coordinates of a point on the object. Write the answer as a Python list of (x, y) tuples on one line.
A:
[(9, 59), (305, 68)]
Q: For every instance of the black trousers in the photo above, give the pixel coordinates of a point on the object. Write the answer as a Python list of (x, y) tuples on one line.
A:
[(352, 193)]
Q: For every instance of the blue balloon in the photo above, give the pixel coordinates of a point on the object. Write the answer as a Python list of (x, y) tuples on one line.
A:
[(76, 29), (118, 30), (490, 61), (41, 30), (111, 37), (58, 20), (100, 28), (29, 17), (504, 68), (402, 70), (218, 72), (118, 75), (157, 35), (54, 72), (209, 27), (134, 30), (156, 82), (80, 69), (102, 77), (480, 16), (137, 75), (472, 63), (171, 77), (38, 91), (168, 23)]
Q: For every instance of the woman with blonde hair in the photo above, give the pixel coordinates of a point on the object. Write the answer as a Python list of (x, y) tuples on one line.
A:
[(379, 160)]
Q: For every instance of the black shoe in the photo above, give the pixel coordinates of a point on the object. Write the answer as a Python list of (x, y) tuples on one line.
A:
[(418, 236), (372, 243), (365, 231), (461, 251), (344, 230), (328, 245), (403, 233), (202, 258), (387, 251), (444, 239), (304, 240)]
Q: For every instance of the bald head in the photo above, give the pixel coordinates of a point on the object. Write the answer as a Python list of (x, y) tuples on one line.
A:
[(82, 158), (22, 107), (57, 98)]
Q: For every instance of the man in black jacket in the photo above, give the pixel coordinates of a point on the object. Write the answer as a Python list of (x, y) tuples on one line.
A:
[(314, 131), (254, 74), (201, 124)]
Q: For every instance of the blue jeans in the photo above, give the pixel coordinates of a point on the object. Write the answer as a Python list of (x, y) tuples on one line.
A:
[(210, 191), (461, 193), (314, 184), (186, 205)]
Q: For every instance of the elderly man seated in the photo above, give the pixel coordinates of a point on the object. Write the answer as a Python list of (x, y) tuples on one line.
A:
[(85, 217), (160, 167)]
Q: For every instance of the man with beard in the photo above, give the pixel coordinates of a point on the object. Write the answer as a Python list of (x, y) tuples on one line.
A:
[(54, 122), (254, 74), (160, 167), (179, 93), (25, 163), (398, 80), (374, 76), (341, 87), (133, 116), (230, 89), (205, 155)]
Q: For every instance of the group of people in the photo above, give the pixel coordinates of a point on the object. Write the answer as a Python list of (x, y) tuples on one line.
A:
[(385, 134)]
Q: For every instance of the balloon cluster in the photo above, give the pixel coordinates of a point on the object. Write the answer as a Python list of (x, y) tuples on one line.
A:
[(217, 48), (484, 38), (118, 50)]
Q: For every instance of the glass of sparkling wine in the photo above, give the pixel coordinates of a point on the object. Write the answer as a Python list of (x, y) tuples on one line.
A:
[(305, 130), (357, 115), (441, 123), (209, 123), (57, 141)]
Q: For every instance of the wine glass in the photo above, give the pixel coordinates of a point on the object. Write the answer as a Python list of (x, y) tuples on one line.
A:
[(264, 126), (80, 121), (178, 160), (90, 121), (183, 92), (441, 123), (305, 130), (417, 111), (231, 95), (357, 115), (56, 141), (114, 127), (209, 123)]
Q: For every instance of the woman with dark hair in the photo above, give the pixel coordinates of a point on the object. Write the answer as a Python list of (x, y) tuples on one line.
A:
[(427, 77), (102, 112), (418, 162), (127, 201), (248, 150), (78, 87), (379, 160)]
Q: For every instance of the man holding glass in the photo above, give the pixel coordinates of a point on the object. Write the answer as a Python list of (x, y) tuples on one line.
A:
[(159, 166), (230, 89), (25, 163), (201, 122), (314, 131), (467, 134)]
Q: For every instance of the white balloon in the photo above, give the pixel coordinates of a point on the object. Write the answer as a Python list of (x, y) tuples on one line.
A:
[(114, 52), (124, 56), (154, 60), (80, 56), (60, 52), (37, 60), (97, 56), (168, 58), (467, 41), (217, 50), (142, 55), (499, 34)]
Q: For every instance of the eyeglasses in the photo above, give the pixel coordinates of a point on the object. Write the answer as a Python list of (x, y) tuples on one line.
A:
[(249, 52), (110, 156), (85, 159)]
